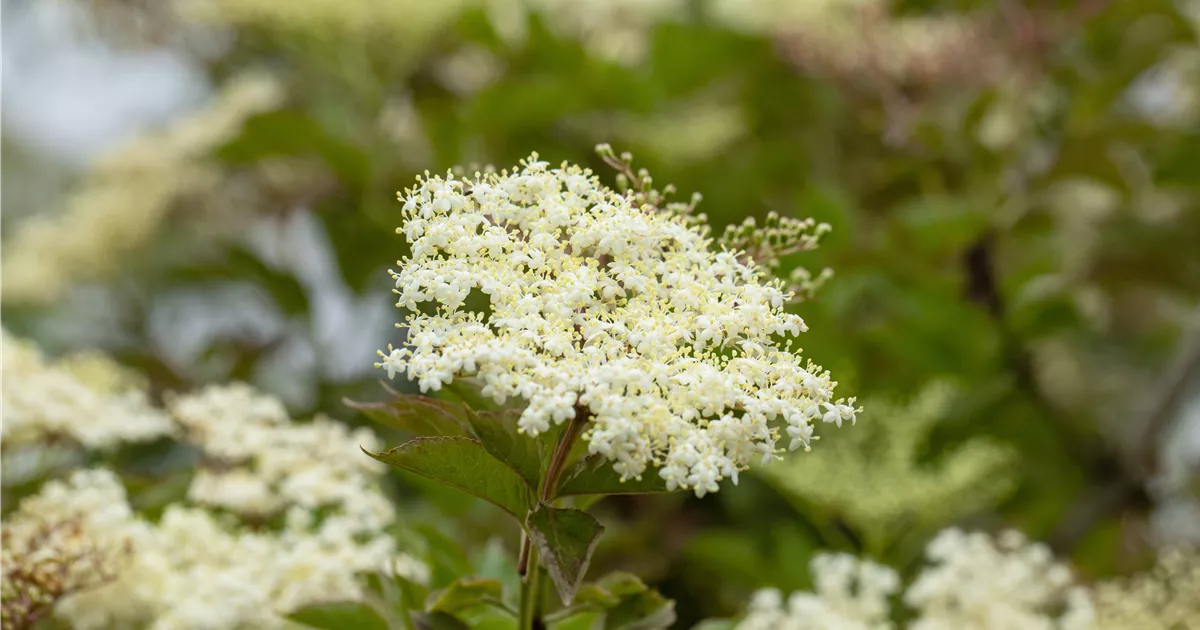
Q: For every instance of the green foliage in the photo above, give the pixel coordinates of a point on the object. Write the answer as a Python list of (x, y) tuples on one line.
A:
[(595, 475), (466, 593), (565, 539), (464, 464), (876, 482), (1029, 237)]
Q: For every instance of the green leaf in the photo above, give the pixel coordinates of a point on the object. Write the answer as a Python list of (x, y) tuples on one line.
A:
[(339, 616), (610, 590), (645, 611), (463, 463), (495, 561), (446, 559), (595, 475), (497, 431), (581, 620), (438, 621), (623, 584), (466, 593), (421, 415), (565, 540)]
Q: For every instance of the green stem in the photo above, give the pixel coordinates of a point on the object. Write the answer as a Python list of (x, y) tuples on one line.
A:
[(530, 583), (527, 564)]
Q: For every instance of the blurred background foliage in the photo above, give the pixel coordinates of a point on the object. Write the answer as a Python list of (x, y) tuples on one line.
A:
[(1014, 189)]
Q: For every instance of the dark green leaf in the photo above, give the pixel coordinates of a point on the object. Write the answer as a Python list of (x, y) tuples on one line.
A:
[(595, 475), (420, 415), (463, 463), (565, 540), (339, 616), (465, 593), (497, 431)]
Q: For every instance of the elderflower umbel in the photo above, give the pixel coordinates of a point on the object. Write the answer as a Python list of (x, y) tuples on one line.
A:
[(972, 582), (680, 353), (850, 595), (975, 581), (85, 398)]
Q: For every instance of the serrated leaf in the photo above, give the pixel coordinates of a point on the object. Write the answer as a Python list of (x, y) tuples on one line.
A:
[(420, 415), (465, 593), (595, 475), (497, 431), (339, 616), (463, 463), (565, 539)]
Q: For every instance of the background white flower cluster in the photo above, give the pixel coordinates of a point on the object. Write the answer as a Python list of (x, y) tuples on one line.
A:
[(975, 581), (280, 514)]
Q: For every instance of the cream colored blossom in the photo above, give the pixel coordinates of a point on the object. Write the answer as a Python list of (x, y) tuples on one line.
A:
[(863, 43), (1166, 598), (68, 538), (85, 398), (849, 594), (196, 569), (972, 582), (977, 582), (123, 201), (680, 353), (263, 463), (211, 562)]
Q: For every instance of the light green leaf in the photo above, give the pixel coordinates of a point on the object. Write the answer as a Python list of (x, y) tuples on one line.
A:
[(645, 611), (623, 584), (610, 590), (438, 621), (421, 415), (595, 475), (565, 540), (339, 616), (580, 620), (463, 463), (466, 593)]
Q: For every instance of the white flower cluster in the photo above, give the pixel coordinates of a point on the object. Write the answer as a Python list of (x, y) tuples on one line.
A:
[(676, 351), (849, 595), (973, 582), (192, 570), (84, 398), (265, 463), (200, 568), (1166, 597), (61, 541)]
